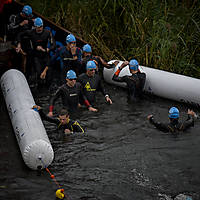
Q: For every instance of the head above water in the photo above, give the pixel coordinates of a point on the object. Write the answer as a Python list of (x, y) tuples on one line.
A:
[(71, 75), (87, 48), (64, 116), (27, 10), (133, 65), (70, 38), (38, 22), (173, 113), (91, 65)]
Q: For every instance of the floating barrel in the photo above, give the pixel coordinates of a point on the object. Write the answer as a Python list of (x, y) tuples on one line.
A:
[(29, 130), (162, 83)]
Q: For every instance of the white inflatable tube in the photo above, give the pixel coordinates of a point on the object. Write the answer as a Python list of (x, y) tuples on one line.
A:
[(31, 135), (161, 83)]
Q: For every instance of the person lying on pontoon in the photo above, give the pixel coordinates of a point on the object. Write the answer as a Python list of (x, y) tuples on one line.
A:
[(174, 126), (135, 82)]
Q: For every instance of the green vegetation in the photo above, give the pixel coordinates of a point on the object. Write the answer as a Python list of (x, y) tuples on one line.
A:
[(163, 34)]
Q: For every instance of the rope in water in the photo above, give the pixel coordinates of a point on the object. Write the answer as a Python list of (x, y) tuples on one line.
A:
[(60, 192)]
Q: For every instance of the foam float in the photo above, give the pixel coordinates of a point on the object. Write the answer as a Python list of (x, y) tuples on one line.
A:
[(29, 130), (162, 83)]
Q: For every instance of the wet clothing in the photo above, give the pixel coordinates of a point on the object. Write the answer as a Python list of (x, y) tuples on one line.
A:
[(16, 20), (70, 97), (39, 39), (73, 126), (98, 62), (53, 52), (89, 58), (66, 61), (135, 83), (174, 126), (89, 87), (14, 27), (40, 58)]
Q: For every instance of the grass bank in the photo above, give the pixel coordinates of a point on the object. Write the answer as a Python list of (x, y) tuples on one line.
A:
[(163, 34)]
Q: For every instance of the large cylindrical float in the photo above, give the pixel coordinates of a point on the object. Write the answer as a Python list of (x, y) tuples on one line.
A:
[(31, 135), (162, 83)]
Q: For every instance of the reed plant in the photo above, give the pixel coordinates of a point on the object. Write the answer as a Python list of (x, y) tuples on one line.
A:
[(164, 34)]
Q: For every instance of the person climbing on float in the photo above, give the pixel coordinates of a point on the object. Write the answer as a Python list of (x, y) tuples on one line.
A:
[(64, 123), (135, 82), (174, 125), (100, 63)]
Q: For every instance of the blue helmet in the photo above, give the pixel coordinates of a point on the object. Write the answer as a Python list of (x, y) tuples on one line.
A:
[(27, 10), (173, 113), (70, 38), (91, 65), (133, 64), (87, 48), (38, 22), (71, 74)]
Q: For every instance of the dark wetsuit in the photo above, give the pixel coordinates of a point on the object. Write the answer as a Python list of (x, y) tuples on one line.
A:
[(67, 61), (40, 58), (89, 87), (174, 125), (14, 28), (135, 83), (73, 126), (71, 97), (98, 63)]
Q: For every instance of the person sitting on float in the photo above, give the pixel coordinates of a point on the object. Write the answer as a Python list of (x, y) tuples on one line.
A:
[(174, 126), (135, 81), (100, 63)]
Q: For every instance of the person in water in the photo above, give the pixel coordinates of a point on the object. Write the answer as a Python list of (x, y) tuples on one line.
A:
[(70, 92), (91, 83), (174, 126), (135, 82), (100, 63), (64, 123)]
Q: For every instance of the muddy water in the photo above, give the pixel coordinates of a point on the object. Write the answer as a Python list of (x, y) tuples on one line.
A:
[(121, 157)]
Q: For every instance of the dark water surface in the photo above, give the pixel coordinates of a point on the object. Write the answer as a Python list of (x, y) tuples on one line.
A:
[(121, 157)]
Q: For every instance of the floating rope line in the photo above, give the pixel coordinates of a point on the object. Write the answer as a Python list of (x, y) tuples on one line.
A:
[(60, 194)]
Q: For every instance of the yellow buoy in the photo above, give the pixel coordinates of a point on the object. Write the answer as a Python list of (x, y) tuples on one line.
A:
[(60, 194)]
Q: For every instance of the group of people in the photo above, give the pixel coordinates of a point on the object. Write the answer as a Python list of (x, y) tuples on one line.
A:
[(80, 73)]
